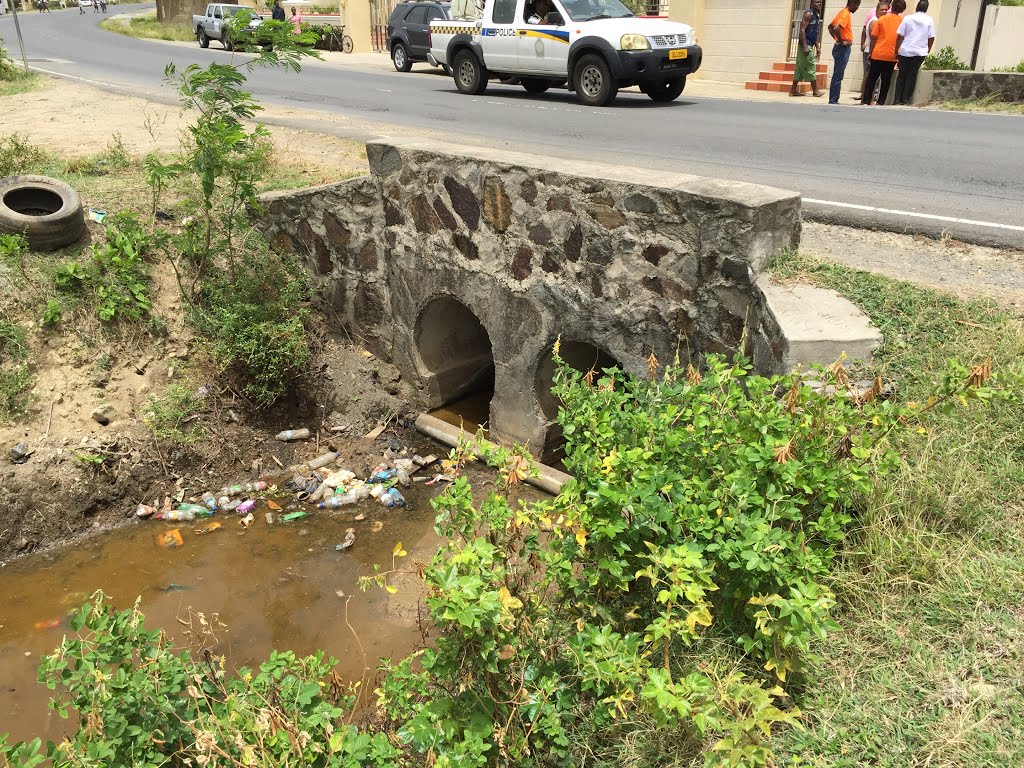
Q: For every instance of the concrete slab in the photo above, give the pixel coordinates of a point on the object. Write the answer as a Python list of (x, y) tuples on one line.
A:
[(818, 325)]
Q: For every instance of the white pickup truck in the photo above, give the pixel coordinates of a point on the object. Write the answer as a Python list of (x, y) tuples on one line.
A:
[(213, 24), (595, 47)]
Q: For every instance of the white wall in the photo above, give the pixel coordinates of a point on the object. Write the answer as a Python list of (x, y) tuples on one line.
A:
[(742, 37), (1002, 41), (958, 26)]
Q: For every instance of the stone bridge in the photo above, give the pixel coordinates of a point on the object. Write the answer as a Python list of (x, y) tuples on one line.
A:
[(463, 266)]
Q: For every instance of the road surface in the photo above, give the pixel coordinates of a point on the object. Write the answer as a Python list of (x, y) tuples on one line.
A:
[(904, 169)]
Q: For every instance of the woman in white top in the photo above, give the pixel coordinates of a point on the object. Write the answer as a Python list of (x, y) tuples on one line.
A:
[(865, 42)]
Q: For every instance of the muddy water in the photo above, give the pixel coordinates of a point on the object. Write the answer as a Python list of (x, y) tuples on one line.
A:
[(277, 586), (470, 413)]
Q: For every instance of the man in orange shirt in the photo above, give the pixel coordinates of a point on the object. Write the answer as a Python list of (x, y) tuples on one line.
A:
[(841, 30), (883, 52)]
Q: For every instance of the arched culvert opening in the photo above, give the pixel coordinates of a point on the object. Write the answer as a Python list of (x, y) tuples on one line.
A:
[(579, 355), (455, 349)]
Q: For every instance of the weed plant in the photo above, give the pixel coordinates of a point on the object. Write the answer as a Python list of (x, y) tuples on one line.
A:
[(172, 416)]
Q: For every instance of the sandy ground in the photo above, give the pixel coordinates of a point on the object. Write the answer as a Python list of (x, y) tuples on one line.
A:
[(967, 271), (82, 119)]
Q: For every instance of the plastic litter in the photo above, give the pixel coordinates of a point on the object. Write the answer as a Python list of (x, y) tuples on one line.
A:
[(176, 515), (292, 516), (20, 453), (246, 506), (398, 500), (404, 479), (382, 475), (339, 500), (348, 541), (196, 509), (207, 529), (97, 215), (210, 501), (168, 539), (247, 520), (47, 624), (323, 460), (144, 511), (269, 517), (238, 490), (289, 435)]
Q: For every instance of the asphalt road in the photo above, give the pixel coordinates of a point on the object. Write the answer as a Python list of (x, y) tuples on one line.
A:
[(899, 169)]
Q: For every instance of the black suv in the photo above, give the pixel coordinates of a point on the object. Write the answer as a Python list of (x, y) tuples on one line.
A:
[(409, 31)]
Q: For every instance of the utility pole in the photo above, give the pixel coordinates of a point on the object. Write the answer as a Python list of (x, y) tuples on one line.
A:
[(17, 27)]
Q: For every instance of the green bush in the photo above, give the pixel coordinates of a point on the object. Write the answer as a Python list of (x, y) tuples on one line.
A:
[(18, 155), (945, 59), (250, 311), (113, 277), (170, 417), (1018, 68)]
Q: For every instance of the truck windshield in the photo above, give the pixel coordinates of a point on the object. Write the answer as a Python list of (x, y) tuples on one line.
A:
[(234, 10), (589, 10)]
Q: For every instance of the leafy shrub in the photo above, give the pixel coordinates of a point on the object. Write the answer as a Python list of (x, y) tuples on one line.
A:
[(1018, 68), (945, 59), (170, 417), (144, 703), (15, 378), (9, 71), (114, 276), (250, 311), (18, 155)]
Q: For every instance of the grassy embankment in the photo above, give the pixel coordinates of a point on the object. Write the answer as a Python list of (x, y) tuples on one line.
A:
[(926, 670), (148, 27)]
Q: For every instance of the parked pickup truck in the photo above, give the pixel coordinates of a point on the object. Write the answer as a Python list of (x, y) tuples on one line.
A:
[(213, 25), (595, 47)]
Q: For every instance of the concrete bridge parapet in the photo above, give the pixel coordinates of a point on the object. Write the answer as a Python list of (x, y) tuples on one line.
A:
[(464, 265)]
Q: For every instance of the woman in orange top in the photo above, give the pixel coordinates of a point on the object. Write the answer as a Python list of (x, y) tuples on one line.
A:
[(883, 52)]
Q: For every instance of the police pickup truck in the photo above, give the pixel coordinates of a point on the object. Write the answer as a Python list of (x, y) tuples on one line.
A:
[(595, 47)]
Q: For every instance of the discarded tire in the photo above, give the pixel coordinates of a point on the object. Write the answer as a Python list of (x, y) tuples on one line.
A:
[(46, 211)]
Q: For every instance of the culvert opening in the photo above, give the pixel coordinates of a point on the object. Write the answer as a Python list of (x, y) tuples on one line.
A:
[(454, 347), (581, 356), (33, 201)]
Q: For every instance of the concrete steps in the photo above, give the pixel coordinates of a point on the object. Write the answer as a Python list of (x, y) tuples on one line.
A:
[(779, 78)]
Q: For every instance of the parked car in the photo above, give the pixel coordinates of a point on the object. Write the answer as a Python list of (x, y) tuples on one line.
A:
[(409, 31), (212, 25), (595, 47)]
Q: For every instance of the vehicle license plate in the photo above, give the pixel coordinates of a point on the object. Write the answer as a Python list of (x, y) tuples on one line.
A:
[(678, 54)]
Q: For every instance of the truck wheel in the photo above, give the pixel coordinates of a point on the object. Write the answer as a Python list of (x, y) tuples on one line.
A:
[(204, 41), (226, 42), (666, 90), (400, 58), (593, 80), (470, 75), (535, 85)]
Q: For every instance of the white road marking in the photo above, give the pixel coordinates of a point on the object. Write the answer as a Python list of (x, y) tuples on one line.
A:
[(913, 215), (384, 90), (80, 79)]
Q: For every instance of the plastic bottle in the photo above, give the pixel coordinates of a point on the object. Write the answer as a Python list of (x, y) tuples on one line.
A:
[(403, 478), (292, 434), (236, 490), (376, 490), (176, 514), (397, 497), (386, 500), (196, 509), (381, 475), (210, 501), (231, 490), (229, 505), (246, 506), (361, 491), (340, 500)]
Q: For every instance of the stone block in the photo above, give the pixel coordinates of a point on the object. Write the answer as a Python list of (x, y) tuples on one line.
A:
[(816, 326)]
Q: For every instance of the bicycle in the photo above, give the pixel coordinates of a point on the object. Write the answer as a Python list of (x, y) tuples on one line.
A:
[(337, 40)]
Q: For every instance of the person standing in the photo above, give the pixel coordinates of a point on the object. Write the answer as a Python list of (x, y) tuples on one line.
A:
[(841, 30), (806, 70), (914, 42), (865, 41), (883, 52), (277, 12), (296, 20)]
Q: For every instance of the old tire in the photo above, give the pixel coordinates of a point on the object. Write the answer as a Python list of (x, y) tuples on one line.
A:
[(204, 41), (46, 211), (400, 57), (665, 90), (593, 81), (535, 85), (470, 75)]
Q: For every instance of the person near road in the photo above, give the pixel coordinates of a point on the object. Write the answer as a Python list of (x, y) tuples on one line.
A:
[(810, 44), (541, 9), (277, 12), (865, 42), (914, 41), (296, 20), (841, 30), (81, 7), (883, 52)]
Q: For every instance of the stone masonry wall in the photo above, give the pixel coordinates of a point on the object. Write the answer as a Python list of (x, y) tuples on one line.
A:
[(949, 86), (537, 248)]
